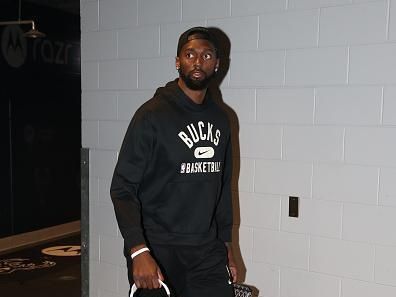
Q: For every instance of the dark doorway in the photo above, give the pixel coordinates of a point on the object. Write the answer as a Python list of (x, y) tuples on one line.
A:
[(40, 116)]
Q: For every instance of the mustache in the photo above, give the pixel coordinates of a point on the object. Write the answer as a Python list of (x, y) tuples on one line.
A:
[(197, 69)]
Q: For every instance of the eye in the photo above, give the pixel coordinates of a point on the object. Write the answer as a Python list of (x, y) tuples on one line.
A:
[(207, 56), (189, 55)]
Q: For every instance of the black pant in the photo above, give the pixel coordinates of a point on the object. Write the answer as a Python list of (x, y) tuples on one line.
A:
[(195, 271)]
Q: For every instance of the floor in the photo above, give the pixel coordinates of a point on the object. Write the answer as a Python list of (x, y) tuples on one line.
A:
[(51, 269)]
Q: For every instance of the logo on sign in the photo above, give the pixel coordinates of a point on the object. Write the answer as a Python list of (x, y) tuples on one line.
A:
[(63, 250), (13, 46), (8, 266)]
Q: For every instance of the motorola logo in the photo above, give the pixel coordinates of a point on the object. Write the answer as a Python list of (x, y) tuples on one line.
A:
[(63, 250), (13, 46)]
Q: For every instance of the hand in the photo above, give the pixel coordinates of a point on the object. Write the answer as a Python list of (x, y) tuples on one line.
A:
[(146, 272), (231, 263)]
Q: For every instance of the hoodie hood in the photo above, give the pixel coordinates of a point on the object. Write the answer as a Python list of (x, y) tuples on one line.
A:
[(172, 92)]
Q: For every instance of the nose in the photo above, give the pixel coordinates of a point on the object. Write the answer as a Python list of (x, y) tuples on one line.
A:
[(198, 61)]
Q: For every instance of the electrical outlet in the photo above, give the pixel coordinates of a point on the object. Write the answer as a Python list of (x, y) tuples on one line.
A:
[(293, 206)]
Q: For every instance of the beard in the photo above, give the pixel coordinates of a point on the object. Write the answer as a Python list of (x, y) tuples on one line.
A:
[(195, 84)]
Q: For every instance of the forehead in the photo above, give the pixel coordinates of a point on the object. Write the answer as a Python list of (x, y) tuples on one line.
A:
[(198, 45)]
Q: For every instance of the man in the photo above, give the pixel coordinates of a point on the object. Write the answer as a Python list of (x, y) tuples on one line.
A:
[(171, 186)]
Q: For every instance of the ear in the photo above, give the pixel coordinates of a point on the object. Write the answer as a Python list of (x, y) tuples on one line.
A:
[(177, 63), (217, 63)]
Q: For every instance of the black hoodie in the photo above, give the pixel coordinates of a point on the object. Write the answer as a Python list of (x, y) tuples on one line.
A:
[(172, 181)]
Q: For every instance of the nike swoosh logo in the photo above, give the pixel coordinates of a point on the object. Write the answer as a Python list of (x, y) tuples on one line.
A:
[(205, 152), (201, 152)]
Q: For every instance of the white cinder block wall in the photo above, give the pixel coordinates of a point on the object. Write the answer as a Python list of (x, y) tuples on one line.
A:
[(314, 85)]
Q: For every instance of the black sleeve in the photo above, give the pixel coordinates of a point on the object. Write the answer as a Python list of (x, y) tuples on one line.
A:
[(224, 214), (132, 161)]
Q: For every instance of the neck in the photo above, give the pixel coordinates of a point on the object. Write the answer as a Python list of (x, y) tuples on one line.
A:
[(197, 96)]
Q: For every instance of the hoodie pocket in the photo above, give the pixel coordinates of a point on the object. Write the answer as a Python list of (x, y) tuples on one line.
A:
[(187, 207)]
